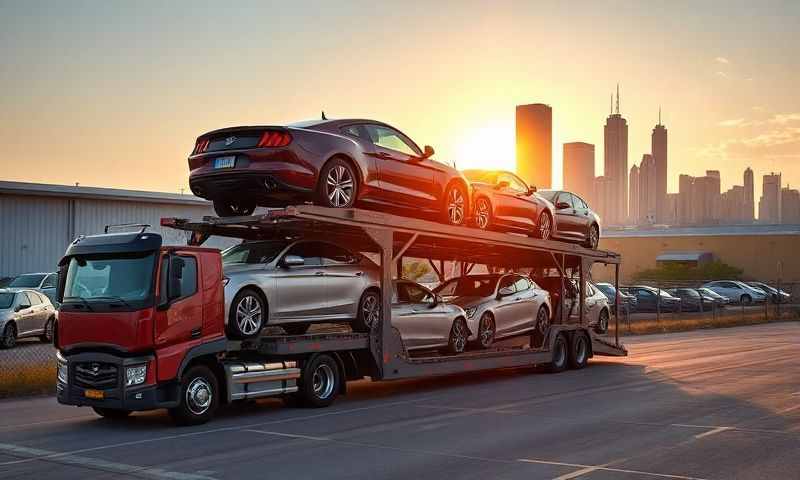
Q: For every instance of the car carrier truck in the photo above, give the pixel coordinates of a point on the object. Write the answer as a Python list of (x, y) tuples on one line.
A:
[(163, 344)]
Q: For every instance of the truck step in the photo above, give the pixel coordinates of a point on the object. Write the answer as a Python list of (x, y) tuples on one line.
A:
[(248, 380)]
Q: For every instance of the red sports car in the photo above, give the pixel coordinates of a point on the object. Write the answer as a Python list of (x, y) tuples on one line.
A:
[(334, 163)]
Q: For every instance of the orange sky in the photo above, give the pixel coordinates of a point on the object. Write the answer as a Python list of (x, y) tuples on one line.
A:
[(114, 95)]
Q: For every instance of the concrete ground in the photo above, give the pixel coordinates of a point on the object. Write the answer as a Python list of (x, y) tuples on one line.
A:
[(707, 404)]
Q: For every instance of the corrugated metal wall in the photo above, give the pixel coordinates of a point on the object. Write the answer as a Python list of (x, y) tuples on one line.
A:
[(35, 230)]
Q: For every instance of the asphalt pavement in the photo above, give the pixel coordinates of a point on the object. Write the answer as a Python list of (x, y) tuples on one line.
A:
[(719, 404)]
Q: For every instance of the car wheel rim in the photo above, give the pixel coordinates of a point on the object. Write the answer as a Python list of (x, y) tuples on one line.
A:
[(248, 315), (542, 322), (339, 186), (323, 381), (486, 330), (482, 214), (455, 206), (10, 338), (198, 396), (48, 330), (544, 226), (371, 311), (604, 321), (459, 336), (593, 236)]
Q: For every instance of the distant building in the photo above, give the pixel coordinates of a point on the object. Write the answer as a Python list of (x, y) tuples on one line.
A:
[(534, 130), (671, 211), (734, 206), (790, 206), (749, 196), (769, 206), (699, 199), (633, 197), (658, 148), (603, 196), (647, 190), (579, 169), (615, 151)]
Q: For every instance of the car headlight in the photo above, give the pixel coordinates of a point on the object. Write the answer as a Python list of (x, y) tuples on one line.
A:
[(471, 311), (135, 375)]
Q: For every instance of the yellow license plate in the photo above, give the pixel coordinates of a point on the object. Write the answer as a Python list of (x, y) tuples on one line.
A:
[(96, 394)]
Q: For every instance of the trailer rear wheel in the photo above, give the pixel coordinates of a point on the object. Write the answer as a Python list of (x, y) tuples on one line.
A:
[(579, 351), (560, 355), (199, 396), (320, 382)]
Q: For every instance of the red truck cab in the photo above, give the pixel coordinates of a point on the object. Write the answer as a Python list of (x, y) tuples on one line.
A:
[(134, 316)]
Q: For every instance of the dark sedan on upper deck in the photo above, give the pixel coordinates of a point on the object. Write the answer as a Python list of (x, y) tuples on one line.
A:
[(333, 163), (576, 221)]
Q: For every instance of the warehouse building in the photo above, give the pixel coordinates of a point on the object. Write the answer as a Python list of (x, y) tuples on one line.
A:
[(763, 252), (38, 221)]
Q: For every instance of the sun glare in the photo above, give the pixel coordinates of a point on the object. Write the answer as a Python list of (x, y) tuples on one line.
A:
[(489, 146)]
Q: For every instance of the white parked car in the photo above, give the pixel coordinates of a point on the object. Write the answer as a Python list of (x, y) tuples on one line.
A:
[(737, 292)]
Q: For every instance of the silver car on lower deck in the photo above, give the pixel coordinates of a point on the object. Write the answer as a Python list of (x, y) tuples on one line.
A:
[(293, 283), (499, 305), (425, 321)]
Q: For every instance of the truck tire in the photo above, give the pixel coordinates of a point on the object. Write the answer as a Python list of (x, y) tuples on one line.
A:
[(320, 382), (579, 351), (248, 314), (560, 355), (199, 396), (111, 413)]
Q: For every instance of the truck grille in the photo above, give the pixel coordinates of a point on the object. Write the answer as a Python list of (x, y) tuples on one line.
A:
[(96, 375)]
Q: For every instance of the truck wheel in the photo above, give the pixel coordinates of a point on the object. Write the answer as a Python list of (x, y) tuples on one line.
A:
[(111, 413), (320, 382), (247, 315), (559, 362), (295, 328), (579, 351), (198, 397), (369, 311)]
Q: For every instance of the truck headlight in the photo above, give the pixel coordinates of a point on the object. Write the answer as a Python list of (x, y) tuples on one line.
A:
[(63, 373), (135, 375), (471, 311)]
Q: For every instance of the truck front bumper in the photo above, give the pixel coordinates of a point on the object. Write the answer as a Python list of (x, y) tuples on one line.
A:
[(99, 380)]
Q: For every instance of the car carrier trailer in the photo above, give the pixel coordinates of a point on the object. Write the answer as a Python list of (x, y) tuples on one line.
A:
[(315, 367)]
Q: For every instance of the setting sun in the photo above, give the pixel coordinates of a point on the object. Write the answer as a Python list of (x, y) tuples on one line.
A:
[(490, 146)]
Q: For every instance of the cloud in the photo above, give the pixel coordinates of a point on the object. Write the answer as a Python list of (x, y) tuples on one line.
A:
[(784, 118), (722, 60), (774, 138), (736, 122), (722, 74)]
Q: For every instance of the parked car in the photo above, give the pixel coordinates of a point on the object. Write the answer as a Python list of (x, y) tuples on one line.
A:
[(713, 297), (499, 305), (775, 295), (295, 283), (425, 321), (25, 313), (334, 163), (597, 308), (4, 281), (626, 301), (649, 299), (576, 222), (737, 292), (691, 300), (45, 283), (503, 201)]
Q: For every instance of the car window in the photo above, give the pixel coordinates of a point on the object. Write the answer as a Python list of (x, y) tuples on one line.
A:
[(646, 293), (578, 202), (522, 284), (468, 286), (507, 284), (23, 299), (34, 298), (411, 293), (6, 300), (353, 131), (590, 291), (50, 281), (391, 139), (566, 198), (310, 251), (333, 255), (253, 252), (514, 183)]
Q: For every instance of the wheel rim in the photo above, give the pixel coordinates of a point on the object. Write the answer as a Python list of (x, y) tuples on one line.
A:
[(339, 188), (604, 321), (199, 396), (248, 315), (323, 381), (458, 336), (542, 321), (371, 311), (10, 337), (455, 206), (482, 214), (48, 330), (593, 237), (545, 226), (486, 331)]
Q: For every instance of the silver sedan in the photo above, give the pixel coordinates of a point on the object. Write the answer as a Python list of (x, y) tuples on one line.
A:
[(295, 283), (425, 321), (25, 313), (499, 305)]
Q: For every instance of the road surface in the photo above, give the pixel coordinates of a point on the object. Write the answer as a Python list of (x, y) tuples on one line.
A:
[(718, 404)]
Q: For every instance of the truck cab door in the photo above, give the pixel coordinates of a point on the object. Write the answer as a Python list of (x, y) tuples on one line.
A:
[(180, 302)]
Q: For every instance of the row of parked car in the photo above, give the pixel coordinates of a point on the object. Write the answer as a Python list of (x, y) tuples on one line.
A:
[(716, 294)]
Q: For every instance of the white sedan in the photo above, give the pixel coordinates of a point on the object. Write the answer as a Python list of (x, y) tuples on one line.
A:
[(737, 292)]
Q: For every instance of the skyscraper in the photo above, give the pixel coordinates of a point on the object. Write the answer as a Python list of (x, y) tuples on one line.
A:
[(647, 190), (749, 196), (616, 165), (534, 126), (790, 206), (633, 204), (579, 169), (658, 147), (769, 206)]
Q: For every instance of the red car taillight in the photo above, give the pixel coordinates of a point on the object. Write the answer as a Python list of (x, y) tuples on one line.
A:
[(274, 138), (201, 146)]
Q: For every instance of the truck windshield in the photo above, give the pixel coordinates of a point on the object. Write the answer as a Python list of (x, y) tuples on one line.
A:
[(254, 252), (125, 278)]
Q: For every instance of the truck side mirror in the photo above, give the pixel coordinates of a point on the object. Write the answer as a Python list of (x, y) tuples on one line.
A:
[(175, 278)]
